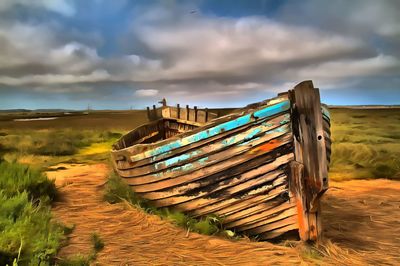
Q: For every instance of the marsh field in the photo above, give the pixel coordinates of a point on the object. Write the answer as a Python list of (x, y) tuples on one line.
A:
[(65, 211)]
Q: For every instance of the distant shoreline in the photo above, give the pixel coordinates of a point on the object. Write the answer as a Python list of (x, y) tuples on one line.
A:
[(67, 111)]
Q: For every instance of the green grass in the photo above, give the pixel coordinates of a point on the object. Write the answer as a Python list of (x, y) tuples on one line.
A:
[(28, 234), (17, 178), (75, 260), (81, 259), (116, 190), (366, 144), (97, 242), (46, 147)]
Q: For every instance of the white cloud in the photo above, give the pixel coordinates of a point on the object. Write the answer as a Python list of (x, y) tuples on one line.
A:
[(95, 76), (146, 93), (190, 56)]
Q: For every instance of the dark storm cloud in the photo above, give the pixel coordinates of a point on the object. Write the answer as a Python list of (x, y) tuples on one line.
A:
[(169, 51)]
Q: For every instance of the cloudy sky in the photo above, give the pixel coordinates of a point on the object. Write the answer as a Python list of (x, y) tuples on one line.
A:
[(120, 53)]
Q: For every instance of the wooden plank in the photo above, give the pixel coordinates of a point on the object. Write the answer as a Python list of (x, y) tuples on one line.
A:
[(257, 227), (123, 165), (190, 156), (254, 210), (297, 189), (310, 151), (277, 232), (219, 190), (166, 112), (269, 209), (259, 173), (154, 112), (271, 179), (283, 221), (204, 168), (148, 113), (233, 204), (217, 129), (312, 143), (139, 148)]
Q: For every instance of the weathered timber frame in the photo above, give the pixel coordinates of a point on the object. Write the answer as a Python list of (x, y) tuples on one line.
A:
[(263, 168), (309, 170)]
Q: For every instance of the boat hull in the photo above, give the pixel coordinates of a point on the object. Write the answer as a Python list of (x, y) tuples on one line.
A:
[(261, 169)]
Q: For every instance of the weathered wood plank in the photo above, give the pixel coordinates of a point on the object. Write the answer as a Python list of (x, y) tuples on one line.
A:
[(142, 184), (212, 148), (277, 222), (229, 125), (122, 165), (297, 189), (267, 142), (258, 226), (311, 179), (233, 204), (268, 210), (277, 232), (260, 173)]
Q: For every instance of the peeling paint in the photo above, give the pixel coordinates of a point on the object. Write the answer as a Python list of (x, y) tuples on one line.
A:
[(238, 122)]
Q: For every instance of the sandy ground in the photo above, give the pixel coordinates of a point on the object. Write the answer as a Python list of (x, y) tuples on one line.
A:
[(361, 226)]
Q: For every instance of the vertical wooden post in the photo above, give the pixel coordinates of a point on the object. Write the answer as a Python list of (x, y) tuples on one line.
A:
[(187, 112), (178, 108), (195, 113), (148, 113), (206, 118), (310, 151), (154, 112)]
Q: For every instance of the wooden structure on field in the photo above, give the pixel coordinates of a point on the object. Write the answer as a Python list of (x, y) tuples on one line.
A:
[(189, 115), (262, 168)]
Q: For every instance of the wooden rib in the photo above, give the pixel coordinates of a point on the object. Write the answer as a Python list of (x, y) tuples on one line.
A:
[(231, 204), (252, 210), (160, 148), (141, 151), (188, 203), (205, 171), (233, 171), (274, 224), (269, 141), (223, 184), (223, 143), (209, 198), (277, 232), (258, 226), (268, 209), (149, 161)]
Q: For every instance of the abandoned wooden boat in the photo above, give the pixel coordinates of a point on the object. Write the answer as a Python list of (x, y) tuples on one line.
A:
[(262, 168)]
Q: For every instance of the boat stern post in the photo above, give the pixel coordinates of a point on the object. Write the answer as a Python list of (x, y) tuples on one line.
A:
[(309, 170)]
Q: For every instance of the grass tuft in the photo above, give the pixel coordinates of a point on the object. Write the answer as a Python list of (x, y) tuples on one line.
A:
[(28, 234), (16, 178), (97, 242), (75, 260), (117, 190)]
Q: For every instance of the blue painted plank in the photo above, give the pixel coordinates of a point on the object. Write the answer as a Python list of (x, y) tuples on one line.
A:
[(238, 122)]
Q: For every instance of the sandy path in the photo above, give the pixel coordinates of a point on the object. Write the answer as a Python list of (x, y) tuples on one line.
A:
[(364, 215), (133, 237)]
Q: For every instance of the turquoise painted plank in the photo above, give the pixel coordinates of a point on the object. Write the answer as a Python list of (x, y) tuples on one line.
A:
[(238, 122), (225, 143), (206, 160), (326, 112)]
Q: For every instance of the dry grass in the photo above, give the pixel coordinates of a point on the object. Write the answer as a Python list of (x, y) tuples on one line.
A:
[(361, 227)]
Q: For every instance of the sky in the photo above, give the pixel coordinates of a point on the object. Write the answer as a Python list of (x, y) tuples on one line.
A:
[(124, 54)]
